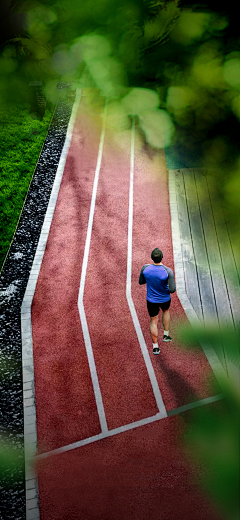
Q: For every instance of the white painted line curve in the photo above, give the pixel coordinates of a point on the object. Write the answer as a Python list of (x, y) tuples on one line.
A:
[(86, 335), (142, 343)]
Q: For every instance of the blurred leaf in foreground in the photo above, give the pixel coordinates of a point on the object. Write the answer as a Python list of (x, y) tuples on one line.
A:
[(138, 100), (157, 126), (11, 462), (211, 441), (11, 448), (211, 438), (213, 335)]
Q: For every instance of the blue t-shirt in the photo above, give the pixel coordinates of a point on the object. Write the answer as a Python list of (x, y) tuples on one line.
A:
[(158, 279)]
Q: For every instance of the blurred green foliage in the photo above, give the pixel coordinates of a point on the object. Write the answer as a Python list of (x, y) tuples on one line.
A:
[(188, 54), (173, 64), (11, 462), (211, 440), (21, 140), (212, 432), (213, 335), (11, 445)]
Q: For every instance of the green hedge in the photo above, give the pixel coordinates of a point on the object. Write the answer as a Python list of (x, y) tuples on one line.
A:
[(21, 141)]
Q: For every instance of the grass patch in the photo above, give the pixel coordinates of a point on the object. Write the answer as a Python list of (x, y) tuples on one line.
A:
[(21, 141)]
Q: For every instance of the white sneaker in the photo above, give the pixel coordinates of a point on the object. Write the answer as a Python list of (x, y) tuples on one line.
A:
[(167, 338)]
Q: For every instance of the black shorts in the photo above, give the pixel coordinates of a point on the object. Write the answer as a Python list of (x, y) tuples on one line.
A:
[(153, 308)]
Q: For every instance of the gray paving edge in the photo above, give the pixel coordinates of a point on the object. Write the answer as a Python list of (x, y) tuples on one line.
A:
[(210, 354), (29, 408)]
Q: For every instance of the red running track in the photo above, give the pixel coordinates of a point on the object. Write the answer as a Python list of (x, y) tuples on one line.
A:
[(143, 471)]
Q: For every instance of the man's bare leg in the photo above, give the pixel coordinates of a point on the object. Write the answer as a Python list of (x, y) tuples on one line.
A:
[(154, 334), (154, 329), (166, 324), (166, 319)]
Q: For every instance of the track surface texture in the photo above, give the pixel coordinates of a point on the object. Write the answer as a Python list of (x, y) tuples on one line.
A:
[(141, 472)]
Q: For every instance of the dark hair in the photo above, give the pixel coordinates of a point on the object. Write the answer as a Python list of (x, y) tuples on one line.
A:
[(156, 255)]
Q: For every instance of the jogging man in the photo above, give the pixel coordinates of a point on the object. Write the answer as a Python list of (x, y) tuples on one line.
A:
[(160, 283)]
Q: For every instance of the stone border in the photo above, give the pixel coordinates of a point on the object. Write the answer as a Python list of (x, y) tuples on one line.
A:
[(30, 428), (180, 279), (13, 281)]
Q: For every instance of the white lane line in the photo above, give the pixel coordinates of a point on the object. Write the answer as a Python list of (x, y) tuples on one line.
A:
[(136, 323), (30, 429), (195, 404), (100, 436), (92, 366), (128, 427)]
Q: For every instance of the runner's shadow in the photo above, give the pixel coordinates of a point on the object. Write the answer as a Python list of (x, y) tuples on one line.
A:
[(184, 393)]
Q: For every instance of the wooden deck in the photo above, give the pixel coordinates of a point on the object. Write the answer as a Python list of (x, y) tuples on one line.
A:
[(211, 275)]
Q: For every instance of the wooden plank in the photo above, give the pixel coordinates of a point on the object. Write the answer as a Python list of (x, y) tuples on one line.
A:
[(235, 252), (231, 270), (189, 265), (222, 222), (210, 244), (203, 270), (213, 252), (199, 245), (228, 261), (224, 310)]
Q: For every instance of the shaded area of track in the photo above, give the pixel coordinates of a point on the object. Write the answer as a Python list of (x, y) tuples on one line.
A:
[(136, 475)]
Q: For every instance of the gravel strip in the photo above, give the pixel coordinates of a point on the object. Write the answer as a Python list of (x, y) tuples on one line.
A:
[(13, 282)]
